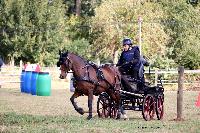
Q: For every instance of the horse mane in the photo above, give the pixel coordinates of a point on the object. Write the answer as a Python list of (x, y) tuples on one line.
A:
[(94, 65), (86, 61)]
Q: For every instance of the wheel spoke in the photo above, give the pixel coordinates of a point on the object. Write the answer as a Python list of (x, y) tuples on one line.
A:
[(103, 106), (148, 107), (160, 107), (100, 108)]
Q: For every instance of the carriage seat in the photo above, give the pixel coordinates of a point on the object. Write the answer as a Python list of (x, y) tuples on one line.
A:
[(133, 85)]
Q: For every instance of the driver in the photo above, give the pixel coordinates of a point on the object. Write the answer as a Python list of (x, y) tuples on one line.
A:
[(129, 61)]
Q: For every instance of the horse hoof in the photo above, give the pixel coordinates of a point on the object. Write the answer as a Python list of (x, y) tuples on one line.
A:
[(117, 118), (80, 111), (89, 117), (118, 115), (125, 117)]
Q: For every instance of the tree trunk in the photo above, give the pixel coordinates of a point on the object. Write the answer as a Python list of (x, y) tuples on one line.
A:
[(78, 7)]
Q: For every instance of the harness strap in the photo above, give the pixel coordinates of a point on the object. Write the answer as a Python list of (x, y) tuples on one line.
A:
[(87, 80), (100, 77), (96, 83)]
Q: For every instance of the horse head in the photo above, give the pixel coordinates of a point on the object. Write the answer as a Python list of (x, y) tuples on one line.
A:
[(64, 63)]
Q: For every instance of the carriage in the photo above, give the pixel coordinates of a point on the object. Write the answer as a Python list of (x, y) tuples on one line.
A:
[(146, 98)]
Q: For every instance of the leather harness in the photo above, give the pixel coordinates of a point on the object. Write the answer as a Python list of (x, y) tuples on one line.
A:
[(99, 73)]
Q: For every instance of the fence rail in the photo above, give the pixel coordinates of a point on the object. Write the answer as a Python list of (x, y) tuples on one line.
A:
[(10, 74), (158, 72), (172, 71)]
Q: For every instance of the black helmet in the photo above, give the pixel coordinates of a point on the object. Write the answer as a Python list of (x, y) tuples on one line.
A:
[(127, 41)]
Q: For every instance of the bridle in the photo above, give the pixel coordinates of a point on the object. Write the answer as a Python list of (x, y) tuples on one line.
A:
[(68, 64), (64, 60)]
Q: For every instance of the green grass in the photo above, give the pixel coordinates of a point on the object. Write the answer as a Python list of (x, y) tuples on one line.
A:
[(26, 113), (12, 122)]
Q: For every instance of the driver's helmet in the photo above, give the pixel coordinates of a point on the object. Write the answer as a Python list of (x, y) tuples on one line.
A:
[(127, 41)]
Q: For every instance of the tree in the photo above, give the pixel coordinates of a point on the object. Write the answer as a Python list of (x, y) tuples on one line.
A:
[(81, 8), (78, 27), (32, 30), (183, 28), (115, 20), (10, 27)]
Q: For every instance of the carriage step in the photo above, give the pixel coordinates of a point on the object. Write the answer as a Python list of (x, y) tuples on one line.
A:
[(136, 108), (131, 93)]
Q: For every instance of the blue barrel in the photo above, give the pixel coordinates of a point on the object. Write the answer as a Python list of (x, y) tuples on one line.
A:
[(27, 88), (22, 81), (43, 84), (34, 82)]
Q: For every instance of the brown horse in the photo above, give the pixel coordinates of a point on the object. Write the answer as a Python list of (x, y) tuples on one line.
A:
[(90, 80)]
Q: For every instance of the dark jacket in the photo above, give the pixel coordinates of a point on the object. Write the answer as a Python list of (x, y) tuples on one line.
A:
[(130, 59)]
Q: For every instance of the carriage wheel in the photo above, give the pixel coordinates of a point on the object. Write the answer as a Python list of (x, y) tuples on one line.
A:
[(103, 106), (148, 110), (160, 106)]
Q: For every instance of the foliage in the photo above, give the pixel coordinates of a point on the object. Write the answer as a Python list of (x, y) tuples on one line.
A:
[(184, 31), (35, 30), (31, 30), (115, 20), (162, 62), (87, 7), (79, 47), (170, 30), (77, 27)]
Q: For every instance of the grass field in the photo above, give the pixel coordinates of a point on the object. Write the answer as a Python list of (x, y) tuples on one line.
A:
[(25, 113)]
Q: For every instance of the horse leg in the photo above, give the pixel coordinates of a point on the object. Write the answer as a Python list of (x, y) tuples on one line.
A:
[(125, 117), (120, 108), (90, 99), (118, 101), (116, 98), (120, 111), (78, 109)]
